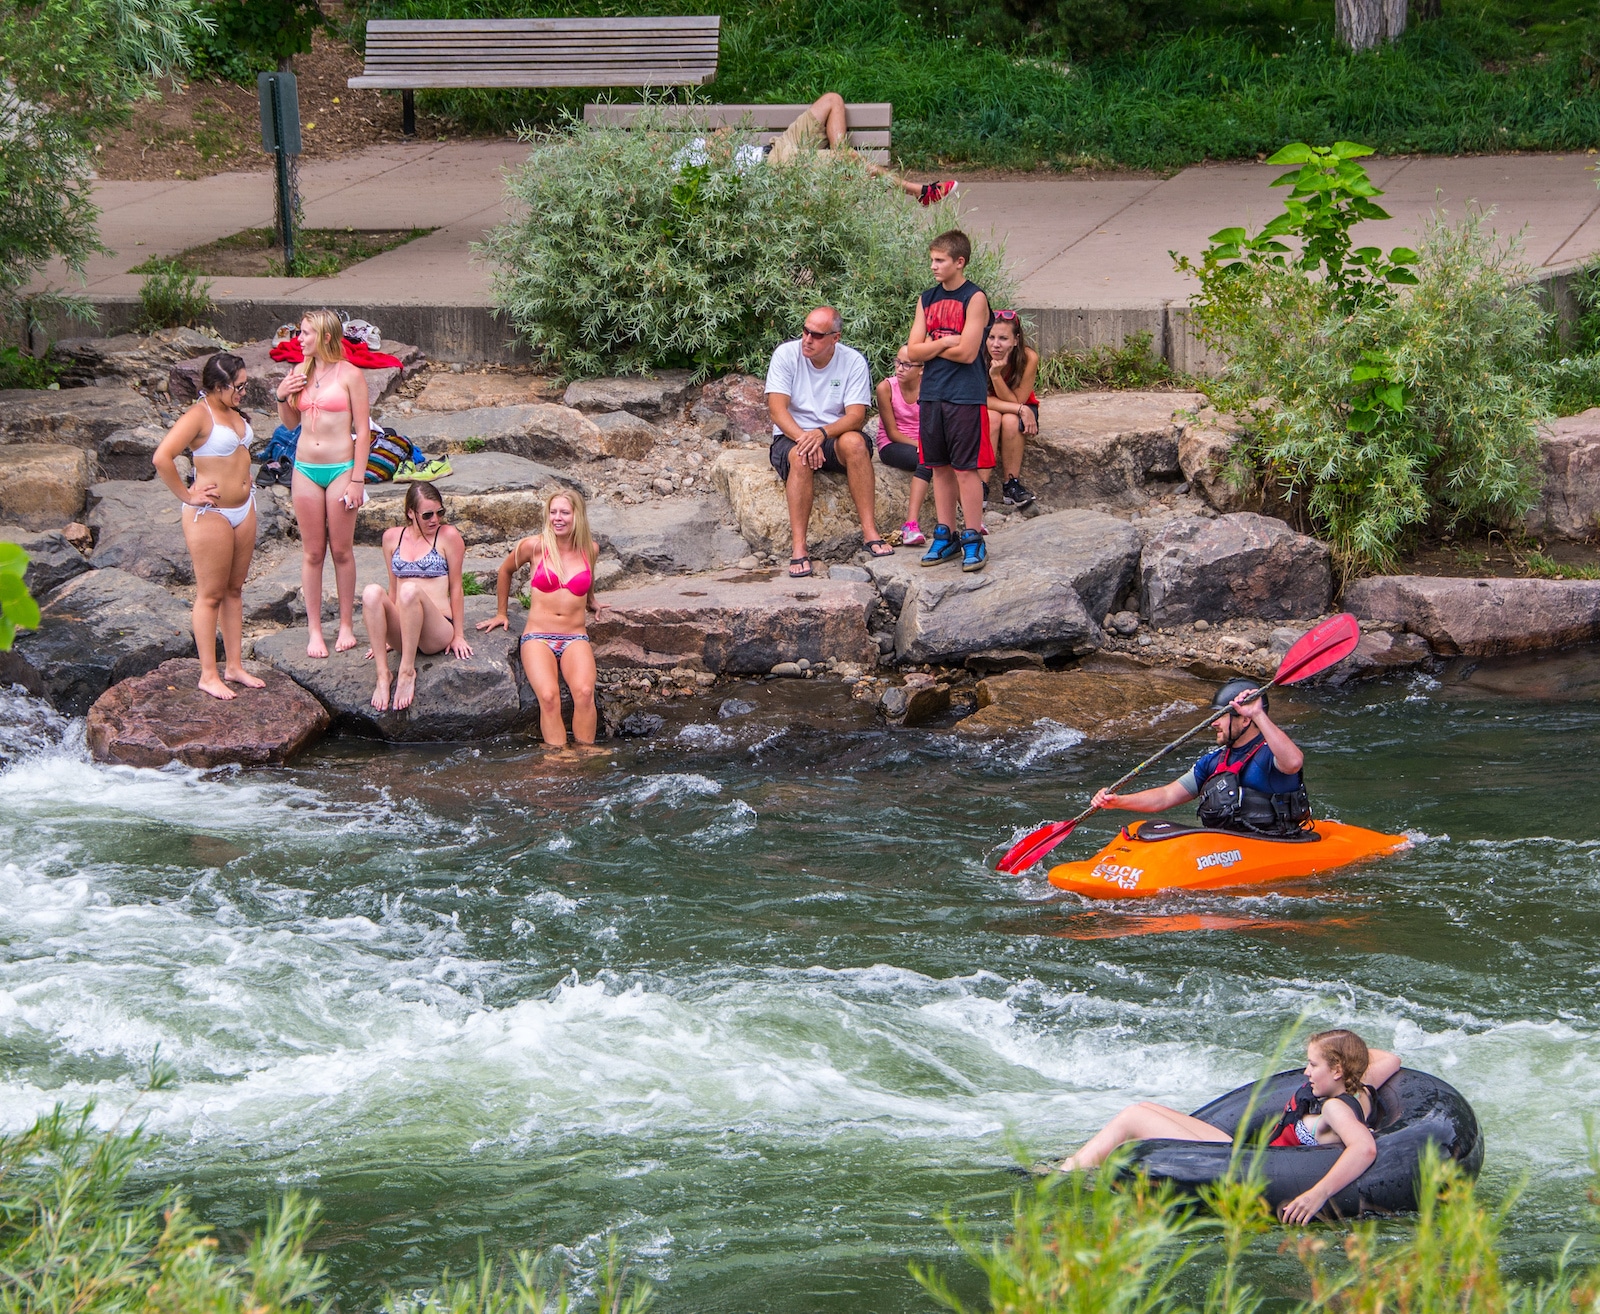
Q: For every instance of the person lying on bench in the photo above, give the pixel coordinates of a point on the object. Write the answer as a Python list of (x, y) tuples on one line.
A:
[(822, 128)]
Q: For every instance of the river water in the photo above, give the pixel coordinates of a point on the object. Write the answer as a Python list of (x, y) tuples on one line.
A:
[(746, 995)]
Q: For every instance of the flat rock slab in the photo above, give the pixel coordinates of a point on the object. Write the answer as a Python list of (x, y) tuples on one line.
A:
[(80, 417), (100, 628), (458, 699), (127, 453), (735, 623), (183, 379), (538, 431), (164, 717), (1569, 502), (42, 484), (740, 401), (653, 397), (673, 536), (52, 561), (1235, 566), (136, 357), (464, 392), (625, 435), (139, 528), (1101, 704), (1482, 617), (489, 496), (1119, 448), (761, 510), (1047, 580)]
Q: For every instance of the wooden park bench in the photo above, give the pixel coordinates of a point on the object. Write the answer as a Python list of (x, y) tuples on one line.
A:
[(407, 54), (866, 126)]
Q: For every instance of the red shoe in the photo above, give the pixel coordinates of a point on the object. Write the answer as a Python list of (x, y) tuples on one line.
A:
[(934, 192)]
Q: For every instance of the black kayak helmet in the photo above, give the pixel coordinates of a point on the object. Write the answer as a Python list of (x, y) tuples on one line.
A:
[(1233, 689)]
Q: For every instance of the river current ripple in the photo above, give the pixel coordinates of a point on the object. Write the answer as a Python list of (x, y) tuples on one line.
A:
[(747, 995)]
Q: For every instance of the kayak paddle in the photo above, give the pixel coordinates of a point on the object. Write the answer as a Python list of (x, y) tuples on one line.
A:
[(1317, 649)]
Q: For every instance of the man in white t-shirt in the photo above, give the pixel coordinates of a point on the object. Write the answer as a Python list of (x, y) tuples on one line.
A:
[(818, 391)]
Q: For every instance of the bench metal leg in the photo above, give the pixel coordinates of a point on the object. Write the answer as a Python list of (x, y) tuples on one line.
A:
[(408, 113)]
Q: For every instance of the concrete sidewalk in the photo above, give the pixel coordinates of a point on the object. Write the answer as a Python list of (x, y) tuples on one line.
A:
[(1090, 255)]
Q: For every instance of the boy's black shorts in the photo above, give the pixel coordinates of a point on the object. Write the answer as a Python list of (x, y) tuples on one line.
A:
[(778, 454), (952, 434)]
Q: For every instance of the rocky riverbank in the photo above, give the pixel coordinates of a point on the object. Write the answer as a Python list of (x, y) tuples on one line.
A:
[(1138, 564)]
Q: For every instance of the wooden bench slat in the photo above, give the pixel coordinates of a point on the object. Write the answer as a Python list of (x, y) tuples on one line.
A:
[(576, 78), (381, 26)]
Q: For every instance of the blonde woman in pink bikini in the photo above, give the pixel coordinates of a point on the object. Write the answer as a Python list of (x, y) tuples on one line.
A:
[(327, 397), (555, 644)]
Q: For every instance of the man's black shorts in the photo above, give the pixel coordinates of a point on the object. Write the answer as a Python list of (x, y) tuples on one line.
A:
[(778, 454), (952, 434)]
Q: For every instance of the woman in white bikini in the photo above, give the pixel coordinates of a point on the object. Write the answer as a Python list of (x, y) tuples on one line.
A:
[(219, 515), (555, 644), (327, 397), (423, 608)]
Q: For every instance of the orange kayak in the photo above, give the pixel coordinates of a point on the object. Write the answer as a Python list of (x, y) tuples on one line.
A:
[(1150, 857)]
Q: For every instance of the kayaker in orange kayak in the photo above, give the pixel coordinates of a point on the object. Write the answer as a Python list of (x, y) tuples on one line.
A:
[(1251, 782)]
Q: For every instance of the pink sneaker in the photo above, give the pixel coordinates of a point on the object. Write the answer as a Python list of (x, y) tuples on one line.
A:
[(911, 535), (934, 192)]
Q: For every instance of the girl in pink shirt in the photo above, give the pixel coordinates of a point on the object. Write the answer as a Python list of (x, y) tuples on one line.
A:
[(899, 440)]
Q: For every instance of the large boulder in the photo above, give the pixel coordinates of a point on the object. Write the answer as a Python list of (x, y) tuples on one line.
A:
[(730, 623), (740, 401), (164, 717), (458, 699), (447, 391), (489, 496), (1099, 704), (139, 528), (1569, 502), (1116, 448), (183, 379), (538, 431), (1047, 581), (1380, 652), (1206, 453), (128, 453), (625, 435), (133, 357), (1482, 617), (653, 397), (747, 479), (1241, 565), (102, 627), (80, 417), (42, 485), (671, 536), (52, 561)]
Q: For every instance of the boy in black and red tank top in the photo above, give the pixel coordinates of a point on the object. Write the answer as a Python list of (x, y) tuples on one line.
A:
[(947, 336)]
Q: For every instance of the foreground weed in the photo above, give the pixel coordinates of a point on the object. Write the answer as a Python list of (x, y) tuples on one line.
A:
[(169, 297), (1540, 566)]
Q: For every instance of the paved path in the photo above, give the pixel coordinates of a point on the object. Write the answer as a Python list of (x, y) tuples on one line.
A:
[(1076, 243)]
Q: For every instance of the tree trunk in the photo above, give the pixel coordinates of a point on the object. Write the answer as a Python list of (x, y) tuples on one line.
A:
[(1394, 19), (1425, 9), (1365, 24)]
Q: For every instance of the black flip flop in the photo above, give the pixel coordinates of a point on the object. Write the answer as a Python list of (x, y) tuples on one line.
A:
[(803, 574), (867, 544)]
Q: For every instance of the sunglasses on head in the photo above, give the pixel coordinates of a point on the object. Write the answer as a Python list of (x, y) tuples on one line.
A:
[(1005, 316)]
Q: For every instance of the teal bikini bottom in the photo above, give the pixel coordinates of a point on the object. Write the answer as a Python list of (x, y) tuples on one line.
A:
[(323, 475)]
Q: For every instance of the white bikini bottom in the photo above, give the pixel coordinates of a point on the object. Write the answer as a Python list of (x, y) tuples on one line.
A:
[(234, 515)]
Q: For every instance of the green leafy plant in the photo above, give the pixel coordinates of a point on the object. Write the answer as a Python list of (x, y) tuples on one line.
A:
[(18, 610), (18, 369), (1132, 365), (642, 249), (1540, 566), (170, 297), (473, 444), (253, 36), (472, 585)]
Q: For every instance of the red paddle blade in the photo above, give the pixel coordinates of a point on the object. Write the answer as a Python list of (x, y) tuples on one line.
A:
[(1318, 648), (1034, 845)]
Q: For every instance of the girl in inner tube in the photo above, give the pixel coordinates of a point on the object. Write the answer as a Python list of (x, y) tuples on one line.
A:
[(1334, 1107)]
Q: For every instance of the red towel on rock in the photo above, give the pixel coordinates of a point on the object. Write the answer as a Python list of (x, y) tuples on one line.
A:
[(357, 353)]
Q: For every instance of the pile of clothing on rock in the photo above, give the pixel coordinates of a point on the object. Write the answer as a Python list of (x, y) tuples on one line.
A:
[(392, 456)]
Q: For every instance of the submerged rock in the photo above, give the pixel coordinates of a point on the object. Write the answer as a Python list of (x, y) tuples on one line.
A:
[(1101, 704), (1482, 617), (1242, 565), (164, 717)]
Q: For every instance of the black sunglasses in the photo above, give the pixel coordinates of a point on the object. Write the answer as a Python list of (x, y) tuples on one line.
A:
[(431, 515)]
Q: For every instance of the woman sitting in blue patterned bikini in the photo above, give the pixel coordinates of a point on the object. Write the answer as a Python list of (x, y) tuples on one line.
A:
[(555, 645)]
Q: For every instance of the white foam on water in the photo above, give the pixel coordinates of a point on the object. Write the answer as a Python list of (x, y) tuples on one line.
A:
[(1052, 739), (705, 738), (738, 818)]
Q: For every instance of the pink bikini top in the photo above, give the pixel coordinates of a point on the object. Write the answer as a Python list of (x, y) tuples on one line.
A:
[(337, 402), (547, 581)]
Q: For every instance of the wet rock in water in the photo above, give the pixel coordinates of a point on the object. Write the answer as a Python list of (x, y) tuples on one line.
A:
[(787, 671), (915, 704), (1046, 578), (1119, 448), (28, 725), (683, 535), (78, 417), (721, 624), (640, 725), (164, 717), (740, 400), (1101, 704), (466, 392), (489, 496), (139, 528), (538, 431), (183, 380), (132, 357), (127, 453), (1569, 501), (1241, 565), (761, 510), (42, 485), (625, 436), (457, 699), (1481, 617), (1205, 452), (994, 660), (102, 627), (655, 396), (52, 559), (1378, 653), (734, 707)]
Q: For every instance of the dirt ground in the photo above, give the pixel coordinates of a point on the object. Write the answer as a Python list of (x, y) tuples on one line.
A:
[(215, 127)]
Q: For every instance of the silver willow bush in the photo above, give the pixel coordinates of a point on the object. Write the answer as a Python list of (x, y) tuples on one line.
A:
[(644, 249)]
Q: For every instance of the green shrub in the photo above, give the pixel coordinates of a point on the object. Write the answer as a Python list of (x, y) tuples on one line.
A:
[(631, 255), (170, 297), (252, 36), (20, 370), (1132, 365), (1377, 411)]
